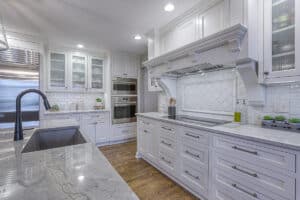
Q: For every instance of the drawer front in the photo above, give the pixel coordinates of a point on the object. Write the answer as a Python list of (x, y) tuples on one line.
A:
[(195, 177), (261, 155), (167, 143), (167, 130), (239, 189), (199, 155), (268, 180), (145, 123), (167, 161), (194, 137)]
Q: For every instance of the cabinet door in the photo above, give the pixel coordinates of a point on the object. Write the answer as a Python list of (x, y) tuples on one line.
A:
[(88, 128), (79, 72), (281, 38), (96, 74), (132, 67), (57, 71), (118, 66)]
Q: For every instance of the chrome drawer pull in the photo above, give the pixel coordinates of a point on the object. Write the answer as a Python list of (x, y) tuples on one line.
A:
[(194, 155), (245, 150), (193, 136), (163, 142), (145, 131), (245, 191), (188, 173), (245, 172), (167, 161), (168, 129)]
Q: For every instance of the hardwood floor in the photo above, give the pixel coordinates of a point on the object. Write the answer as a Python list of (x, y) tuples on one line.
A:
[(146, 181)]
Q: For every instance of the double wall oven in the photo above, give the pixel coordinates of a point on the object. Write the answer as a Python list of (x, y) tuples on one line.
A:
[(124, 100)]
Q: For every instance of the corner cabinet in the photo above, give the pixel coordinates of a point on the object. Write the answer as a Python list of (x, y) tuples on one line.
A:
[(75, 72), (281, 40)]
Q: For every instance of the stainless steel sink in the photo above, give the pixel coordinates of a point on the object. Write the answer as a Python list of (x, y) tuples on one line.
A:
[(43, 139)]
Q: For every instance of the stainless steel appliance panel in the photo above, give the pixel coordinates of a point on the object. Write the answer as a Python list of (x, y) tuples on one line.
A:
[(124, 109), (124, 86)]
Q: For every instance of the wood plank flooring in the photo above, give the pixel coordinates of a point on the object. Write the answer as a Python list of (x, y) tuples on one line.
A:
[(146, 181)]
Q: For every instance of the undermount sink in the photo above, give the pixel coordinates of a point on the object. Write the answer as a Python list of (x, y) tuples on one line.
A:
[(43, 139)]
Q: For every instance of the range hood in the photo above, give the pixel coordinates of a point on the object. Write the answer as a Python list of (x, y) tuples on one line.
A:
[(219, 51)]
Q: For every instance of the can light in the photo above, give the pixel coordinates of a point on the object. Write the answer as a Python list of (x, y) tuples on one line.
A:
[(80, 46), (137, 37), (169, 7)]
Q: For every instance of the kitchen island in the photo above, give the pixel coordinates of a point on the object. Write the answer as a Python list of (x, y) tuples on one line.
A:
[(78, 172)]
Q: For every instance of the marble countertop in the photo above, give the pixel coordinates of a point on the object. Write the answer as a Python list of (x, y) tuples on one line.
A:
[(286, 139), (74, 111), (79, 172)]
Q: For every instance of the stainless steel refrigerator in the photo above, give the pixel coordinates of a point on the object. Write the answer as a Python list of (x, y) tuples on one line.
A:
[(19, 70)]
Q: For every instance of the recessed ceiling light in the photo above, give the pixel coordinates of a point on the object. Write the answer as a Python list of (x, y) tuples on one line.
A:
[(169, 7), (80, 178), (137, 37), (80, 46)]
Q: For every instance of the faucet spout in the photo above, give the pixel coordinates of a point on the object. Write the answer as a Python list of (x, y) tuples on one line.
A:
[(18, 135)]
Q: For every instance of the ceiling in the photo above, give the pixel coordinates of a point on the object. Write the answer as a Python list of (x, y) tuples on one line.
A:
[(98, 24)]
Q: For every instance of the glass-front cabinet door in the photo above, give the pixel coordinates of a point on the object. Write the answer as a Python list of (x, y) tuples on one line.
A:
[(79, 72), (96, 75), (58, 71), (281, 38)]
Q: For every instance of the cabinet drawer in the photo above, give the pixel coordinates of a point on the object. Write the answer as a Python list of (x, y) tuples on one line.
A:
[(167, 161), (256, 153), (167, 130), (194, 137), (167, 143), (263, 178), (195, 177), (145, 123), (226, 187), (199, 155)]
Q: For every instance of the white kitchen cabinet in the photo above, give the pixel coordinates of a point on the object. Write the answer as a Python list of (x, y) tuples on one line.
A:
[(212, 20), (124, 131), (58, 71), (79, 71), (124, 65), (281, 21), (96, 74), (67, 71)]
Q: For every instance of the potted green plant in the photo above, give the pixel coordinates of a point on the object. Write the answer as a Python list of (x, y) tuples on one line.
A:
[(268, 120), (99, 103), (294, 123), (280, 121)]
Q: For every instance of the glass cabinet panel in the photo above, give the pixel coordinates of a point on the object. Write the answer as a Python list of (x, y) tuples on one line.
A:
[(283, 35), (97, 73), (57, 70), (78, 71)]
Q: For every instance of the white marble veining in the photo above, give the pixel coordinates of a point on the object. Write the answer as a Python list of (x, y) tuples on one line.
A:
[(79, 172), (279, 138)]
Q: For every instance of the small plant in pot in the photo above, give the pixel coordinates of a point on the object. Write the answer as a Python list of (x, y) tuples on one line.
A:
[(268, 120), (294, 123), (280, 121), (99, 103)]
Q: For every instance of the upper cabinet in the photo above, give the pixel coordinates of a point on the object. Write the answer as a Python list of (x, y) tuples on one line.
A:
[(124, 65), (57, 71), (79, 72), (75, 72), (281, 40)]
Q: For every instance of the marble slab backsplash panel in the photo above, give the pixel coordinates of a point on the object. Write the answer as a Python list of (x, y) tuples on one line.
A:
[(67, 101)]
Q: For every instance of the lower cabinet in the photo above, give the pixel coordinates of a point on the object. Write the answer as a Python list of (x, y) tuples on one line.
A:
[(123, 131), (217, 167)]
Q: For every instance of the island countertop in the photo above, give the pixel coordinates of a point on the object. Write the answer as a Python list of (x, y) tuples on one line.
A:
[(280, 138), (79, 172)]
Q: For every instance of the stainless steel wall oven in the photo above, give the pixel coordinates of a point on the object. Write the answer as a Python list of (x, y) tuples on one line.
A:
[(124, 109)]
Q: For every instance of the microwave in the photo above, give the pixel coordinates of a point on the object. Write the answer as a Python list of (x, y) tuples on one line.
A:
[(124, 86)]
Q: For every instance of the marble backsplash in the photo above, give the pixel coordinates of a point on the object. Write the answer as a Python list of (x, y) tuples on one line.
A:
[(215, 95), (67, 101)]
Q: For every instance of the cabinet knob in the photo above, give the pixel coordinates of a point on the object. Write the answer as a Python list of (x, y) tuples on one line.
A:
[(266, 73)]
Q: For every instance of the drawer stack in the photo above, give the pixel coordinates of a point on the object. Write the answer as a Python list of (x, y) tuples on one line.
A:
[(194, 160), (246, 170), (167, 147)]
